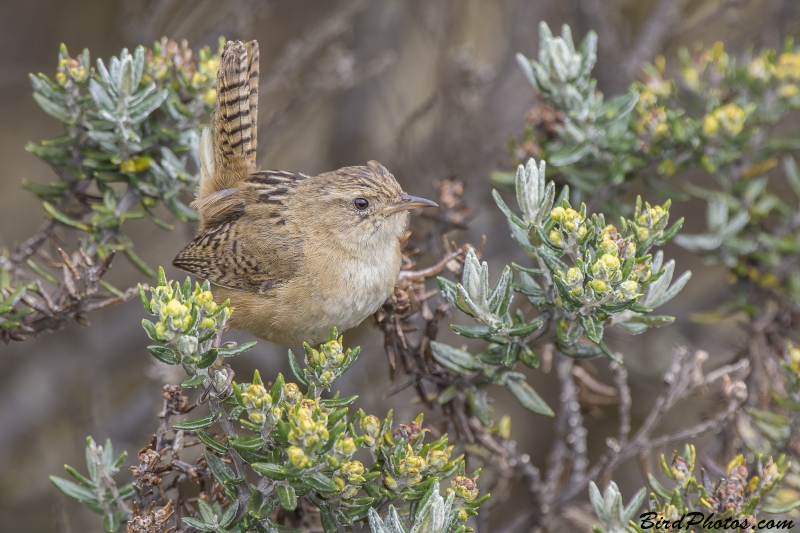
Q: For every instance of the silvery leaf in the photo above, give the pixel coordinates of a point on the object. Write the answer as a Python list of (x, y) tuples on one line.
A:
[(471, 278)]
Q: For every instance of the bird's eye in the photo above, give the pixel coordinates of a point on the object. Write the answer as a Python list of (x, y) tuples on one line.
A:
[(361, 203)]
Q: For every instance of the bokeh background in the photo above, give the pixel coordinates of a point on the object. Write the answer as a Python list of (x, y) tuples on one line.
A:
[(429, 88)]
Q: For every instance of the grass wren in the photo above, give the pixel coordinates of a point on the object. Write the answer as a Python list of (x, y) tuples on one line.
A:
[(296, 255)]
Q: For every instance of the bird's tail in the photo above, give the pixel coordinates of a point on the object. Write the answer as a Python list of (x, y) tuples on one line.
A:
[(228, 145)]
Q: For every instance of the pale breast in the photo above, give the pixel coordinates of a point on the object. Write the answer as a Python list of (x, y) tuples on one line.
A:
[(336, 292)]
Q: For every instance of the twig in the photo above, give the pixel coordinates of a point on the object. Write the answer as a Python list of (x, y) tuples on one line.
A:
[(621, 381), (666, 15)]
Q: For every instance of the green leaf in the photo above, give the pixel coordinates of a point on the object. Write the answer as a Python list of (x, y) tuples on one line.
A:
[(163, 354), (287, 497), (667, 235), (528, 357), (334, 403), (479, 405), (579, 350), (673, 290), (64, 219), (54, 109), (320, 482), (254, 443), (502, 294), (567, 155), (657, 487), (638, 308), (111, 523), (221, 471), (77, 475), (472, 332), (198, 524), (448, 289), (453, 358), (193, 381), (608, 352), (270, 470), (508, 213), (593, 328), (296, 370), (208, 358), (527, 397), (241, 348), (525, 329), (653, 320), (145, 300), (228, 516), (210, 441), (198, 423), (750, 506), (75, 491)]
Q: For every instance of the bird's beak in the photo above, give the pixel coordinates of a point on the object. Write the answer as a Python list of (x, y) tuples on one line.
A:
[(407, 202)]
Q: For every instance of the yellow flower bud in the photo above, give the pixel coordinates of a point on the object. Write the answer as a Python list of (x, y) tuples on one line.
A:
[(599, 285), (555, 237), (297, 457), (628, 289), (710, 125), (345, 446), (388, 481), (175, 308), (437, 459), (292, 393), (204, 297), (574, 277), (557, 214), (609, 247)]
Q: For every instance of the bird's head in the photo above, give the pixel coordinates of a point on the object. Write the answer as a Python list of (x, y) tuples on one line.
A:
[(360, 206)]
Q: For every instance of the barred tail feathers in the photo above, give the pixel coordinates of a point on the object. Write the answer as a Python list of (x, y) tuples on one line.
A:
[(228, 145)]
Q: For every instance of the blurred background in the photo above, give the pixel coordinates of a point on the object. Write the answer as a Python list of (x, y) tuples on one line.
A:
[(429, 89)]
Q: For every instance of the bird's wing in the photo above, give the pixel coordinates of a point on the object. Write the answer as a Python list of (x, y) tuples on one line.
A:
[(242, 253)]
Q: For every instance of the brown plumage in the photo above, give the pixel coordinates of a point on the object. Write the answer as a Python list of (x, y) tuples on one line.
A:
[(296, 255)]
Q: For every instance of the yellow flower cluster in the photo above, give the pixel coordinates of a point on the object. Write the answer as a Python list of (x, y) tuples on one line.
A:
[(606, 268), (309, 426), (465, 488), (349, 474), (654, 123), (570, 220), (788, 67), (70, 69), (786, 70), (611, 242), (257, 401), (651, 218), (730, 118), (412, 467)]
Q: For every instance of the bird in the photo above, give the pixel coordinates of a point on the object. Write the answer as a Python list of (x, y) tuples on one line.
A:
[(296, 255)]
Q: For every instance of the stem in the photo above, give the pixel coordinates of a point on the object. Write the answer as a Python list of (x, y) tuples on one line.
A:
[(110, 484)]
